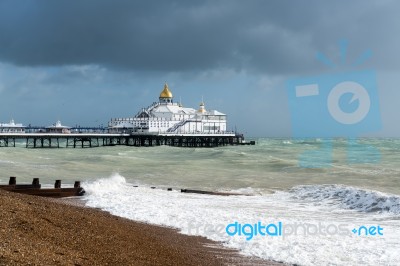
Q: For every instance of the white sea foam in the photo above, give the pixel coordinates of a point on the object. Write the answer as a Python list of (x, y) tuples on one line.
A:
[(6, 162), (349, 197), (208, 216), (247, 191)]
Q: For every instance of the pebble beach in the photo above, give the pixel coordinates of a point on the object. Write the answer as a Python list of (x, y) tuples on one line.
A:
[(43, 231)]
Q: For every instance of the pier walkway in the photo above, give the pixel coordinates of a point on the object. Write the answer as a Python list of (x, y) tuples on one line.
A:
[(89, 140)]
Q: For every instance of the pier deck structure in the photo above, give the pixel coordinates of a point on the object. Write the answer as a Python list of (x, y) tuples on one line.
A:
[(162, 123), (89, 140)]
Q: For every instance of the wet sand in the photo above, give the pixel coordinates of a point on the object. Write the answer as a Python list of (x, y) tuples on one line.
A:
[(41, 231)]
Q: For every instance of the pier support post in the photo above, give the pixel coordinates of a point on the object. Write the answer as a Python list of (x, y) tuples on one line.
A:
[(35, 182), (57, 184), (13, 180)]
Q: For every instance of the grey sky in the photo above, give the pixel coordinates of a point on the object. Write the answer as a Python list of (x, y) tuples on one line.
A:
[(86, 61)]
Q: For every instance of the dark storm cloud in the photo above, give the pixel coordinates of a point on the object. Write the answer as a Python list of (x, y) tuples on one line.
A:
[(273, 36)]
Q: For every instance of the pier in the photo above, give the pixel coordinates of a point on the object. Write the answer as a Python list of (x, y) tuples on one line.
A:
[(162, 123), (91, 140)]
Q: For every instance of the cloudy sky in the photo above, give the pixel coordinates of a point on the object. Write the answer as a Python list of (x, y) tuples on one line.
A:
[(84, 62)]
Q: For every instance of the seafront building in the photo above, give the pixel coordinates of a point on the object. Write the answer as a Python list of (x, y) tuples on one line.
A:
[(169, 117), (11, 127), (58, 128)]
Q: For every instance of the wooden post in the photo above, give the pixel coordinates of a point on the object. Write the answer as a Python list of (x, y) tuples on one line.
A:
[(35, 182), (77, 184), (57, 184), (13, 180)]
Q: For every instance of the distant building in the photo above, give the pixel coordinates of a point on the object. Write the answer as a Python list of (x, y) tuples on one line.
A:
[(166, 116), (58, 128), (12, 127)]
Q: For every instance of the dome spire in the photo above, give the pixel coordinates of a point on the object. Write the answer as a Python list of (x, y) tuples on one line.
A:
[(202, 108), (166, 95)]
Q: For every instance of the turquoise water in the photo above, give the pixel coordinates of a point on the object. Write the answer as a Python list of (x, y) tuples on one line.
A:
[(271, 164)]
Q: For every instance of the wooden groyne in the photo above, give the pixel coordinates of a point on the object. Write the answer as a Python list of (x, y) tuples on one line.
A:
[(206, 192), (216, 193), (36, 189)]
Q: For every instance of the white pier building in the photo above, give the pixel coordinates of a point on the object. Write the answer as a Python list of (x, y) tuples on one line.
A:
[(169, 117), (58, 128), (11, 127)]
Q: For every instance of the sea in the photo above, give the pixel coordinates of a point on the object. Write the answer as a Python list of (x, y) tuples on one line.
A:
[(300, 201)]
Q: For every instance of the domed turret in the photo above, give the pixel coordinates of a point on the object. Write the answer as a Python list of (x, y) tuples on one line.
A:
[(202, 109), (166, 95)]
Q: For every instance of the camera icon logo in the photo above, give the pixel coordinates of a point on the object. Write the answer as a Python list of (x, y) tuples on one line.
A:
[(359, 93), (341, 105), (344, 105)]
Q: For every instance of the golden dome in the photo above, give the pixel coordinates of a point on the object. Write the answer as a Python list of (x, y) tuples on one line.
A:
[(166, 93)]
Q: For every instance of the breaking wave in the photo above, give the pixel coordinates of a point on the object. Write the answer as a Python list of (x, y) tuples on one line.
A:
[(349, 198)]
